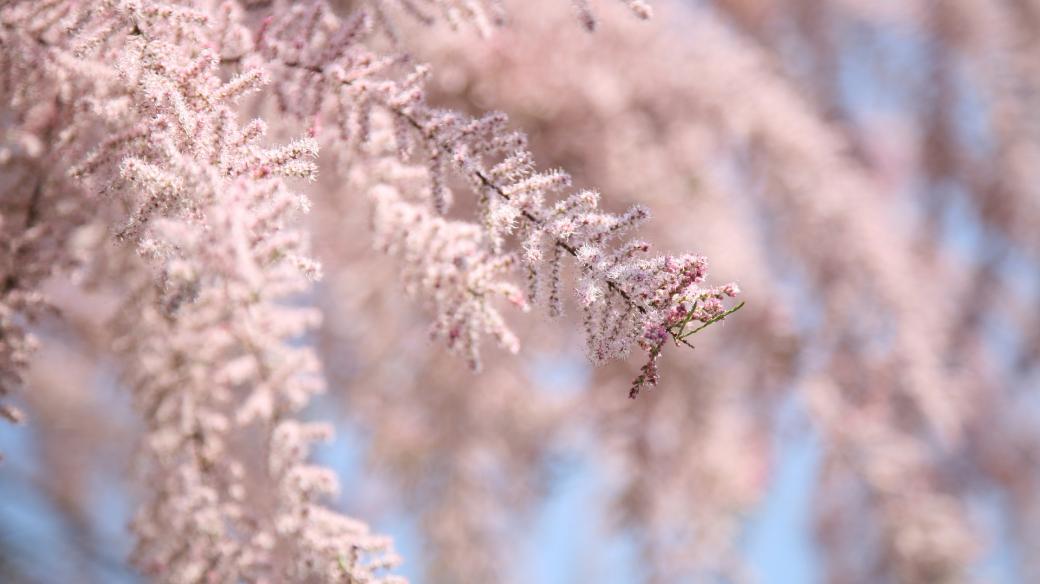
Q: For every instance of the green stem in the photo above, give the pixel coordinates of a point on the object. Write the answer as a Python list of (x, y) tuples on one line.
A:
[(714, 320)]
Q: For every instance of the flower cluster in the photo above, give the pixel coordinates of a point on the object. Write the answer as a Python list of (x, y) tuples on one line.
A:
[(149, 114), (208, 339), (624, 294), (447, 265), (149, 156)]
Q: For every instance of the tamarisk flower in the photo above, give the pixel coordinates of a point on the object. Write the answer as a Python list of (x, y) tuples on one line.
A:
[(39, 208), (625, 295), (211, 266), (627, 292), (447, 264), (207, 336)]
